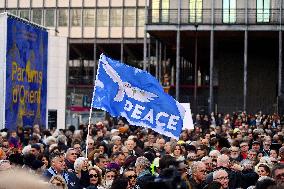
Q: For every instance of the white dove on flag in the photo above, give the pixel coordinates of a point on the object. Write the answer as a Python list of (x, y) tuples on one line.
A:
[(125, 87)]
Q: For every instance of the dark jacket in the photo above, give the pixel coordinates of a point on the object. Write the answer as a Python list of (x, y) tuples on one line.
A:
[(194, 185), (70, 178), (144, 178)]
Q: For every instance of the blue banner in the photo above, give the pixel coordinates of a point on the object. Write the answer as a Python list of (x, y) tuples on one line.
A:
[(26, 74), (126, 91)]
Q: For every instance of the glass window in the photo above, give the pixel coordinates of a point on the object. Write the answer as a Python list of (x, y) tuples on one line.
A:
[(49, 18), (141, 17), (263, 10), (76, 17), (25, 14), (195, 11), (62, 17), (155, 11), (129, 17), (115, 17), (103, 15), (89, 17), (12, 11), (229, 11), (37, 16), (165, 10)]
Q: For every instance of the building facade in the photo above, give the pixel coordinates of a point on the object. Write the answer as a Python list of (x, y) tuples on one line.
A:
[(219, 55), (227, 53)]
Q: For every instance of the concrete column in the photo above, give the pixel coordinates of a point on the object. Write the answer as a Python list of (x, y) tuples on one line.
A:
[(280, 53), (245, 69), (121, 50), (178, 51), (95, 59), (211, 95), (160, 62), (177, 64), (157, 60), (149, 55), (280, 65), (145, 40)]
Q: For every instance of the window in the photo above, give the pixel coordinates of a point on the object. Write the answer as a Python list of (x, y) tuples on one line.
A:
[(37, 16), (76, 17), (129, 17), (103, 17), (115, 17), (141, 17), (165, 10), (89, 17), (12, 11), (62, 17), (262, 10), (49, 18), (229, 11), (195, 11), (155, 11), (25, 14)]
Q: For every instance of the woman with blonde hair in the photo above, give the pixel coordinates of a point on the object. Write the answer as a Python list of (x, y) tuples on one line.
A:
[(58, 182)]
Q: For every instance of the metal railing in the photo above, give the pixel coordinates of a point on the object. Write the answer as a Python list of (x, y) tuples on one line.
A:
[(221, 16)]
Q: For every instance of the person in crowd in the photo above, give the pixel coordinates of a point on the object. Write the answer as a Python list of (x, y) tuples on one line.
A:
[(57, 167), (263, 170), (109, 177), (198, 174), (278, 173), (58, 182), (70, 158), (222, 177), (244, 149), (130, 174), (81, 169), (95, 177), (142, 166)]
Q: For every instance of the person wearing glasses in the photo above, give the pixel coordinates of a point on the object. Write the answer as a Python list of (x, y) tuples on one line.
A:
[(130, 174), (58, 182), (95, 178), (198, 174), (222, 177)]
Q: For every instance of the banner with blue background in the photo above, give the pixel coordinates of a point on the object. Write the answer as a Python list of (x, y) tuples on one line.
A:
[(26, 74), (126, 91)]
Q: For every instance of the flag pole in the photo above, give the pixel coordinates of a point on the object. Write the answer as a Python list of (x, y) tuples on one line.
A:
[(89, 125)]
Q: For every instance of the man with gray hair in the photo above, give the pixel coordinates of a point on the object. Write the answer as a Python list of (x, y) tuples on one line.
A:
[(198, 170), (222, 177), (142, 166)]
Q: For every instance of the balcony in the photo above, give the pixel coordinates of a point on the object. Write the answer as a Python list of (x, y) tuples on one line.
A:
[(220, 17)]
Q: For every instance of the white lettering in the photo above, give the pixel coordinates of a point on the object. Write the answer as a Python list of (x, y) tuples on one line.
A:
[(160, 114), (172, 122), (128, 105), (137, 111), (149, 116)]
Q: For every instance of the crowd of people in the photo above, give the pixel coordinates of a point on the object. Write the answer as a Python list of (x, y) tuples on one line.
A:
[(221, 152)]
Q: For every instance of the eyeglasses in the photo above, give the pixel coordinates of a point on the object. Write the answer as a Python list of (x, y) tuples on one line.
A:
[(222, 178), (93, 176), (132, 176)]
